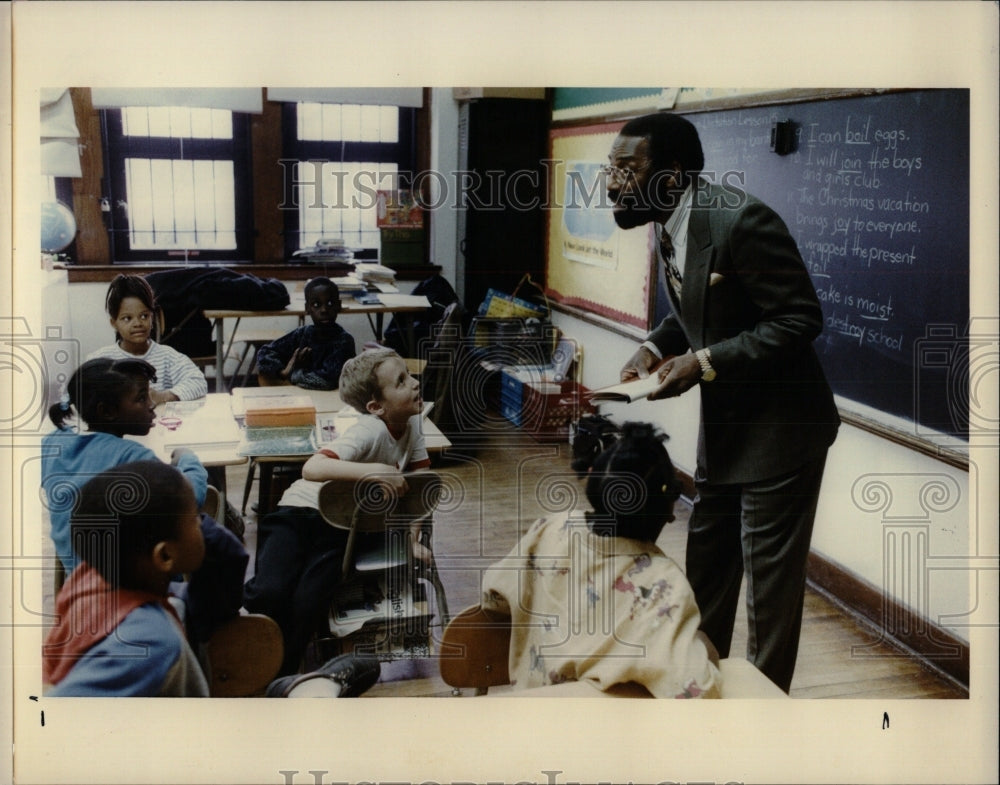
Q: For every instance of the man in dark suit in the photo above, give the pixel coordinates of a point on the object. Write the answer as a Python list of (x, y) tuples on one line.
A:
[(745, 314)]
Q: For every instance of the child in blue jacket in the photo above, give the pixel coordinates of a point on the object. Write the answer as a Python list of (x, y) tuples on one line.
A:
[(104, 401)]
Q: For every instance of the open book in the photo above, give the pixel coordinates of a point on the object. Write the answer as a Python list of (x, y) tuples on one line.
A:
[(627, 392)]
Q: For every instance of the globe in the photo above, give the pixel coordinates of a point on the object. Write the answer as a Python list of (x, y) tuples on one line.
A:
[(58, 227)]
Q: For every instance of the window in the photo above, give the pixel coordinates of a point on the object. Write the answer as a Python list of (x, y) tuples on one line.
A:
[(337, 156), (178, 184)]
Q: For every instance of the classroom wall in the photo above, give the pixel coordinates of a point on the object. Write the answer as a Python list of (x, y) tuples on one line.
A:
[(444, 246)]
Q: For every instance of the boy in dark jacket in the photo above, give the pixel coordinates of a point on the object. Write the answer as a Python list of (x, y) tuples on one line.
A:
[(312, 356)]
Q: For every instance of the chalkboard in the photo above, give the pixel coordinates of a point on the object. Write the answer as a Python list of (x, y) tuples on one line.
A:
[(876, 194)]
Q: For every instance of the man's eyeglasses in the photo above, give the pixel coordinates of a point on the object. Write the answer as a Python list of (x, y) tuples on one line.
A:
[(617, 172)]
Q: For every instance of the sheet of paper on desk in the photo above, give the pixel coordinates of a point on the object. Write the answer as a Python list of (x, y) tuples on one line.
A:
[(278, 440), (404, 301)]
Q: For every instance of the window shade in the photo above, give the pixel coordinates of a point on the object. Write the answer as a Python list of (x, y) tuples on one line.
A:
[(60, 153), (236, 99), (380, 96)]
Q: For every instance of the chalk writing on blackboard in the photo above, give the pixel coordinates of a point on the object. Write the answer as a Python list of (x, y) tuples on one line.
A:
[(876, 195)]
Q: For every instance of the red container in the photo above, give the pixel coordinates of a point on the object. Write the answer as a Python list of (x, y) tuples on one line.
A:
[(548, 408)]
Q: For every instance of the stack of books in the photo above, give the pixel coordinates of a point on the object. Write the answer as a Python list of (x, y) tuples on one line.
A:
[(332, 253), (374, 273)]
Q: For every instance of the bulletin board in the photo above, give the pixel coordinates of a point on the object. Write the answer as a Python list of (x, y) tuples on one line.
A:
[(591, 263)]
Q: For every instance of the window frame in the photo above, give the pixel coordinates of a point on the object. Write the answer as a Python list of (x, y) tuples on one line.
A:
[(402, 152), (118, 147)]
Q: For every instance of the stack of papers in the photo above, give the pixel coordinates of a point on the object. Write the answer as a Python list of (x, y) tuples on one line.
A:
[(382, 599), (372, 272)]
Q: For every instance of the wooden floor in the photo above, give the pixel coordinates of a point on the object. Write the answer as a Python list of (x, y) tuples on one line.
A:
[(497, 489)]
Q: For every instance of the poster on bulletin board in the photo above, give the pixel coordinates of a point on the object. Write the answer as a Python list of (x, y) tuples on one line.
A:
[(591, 263)]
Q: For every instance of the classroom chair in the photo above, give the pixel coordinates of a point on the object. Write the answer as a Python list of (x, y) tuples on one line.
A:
[(382, 588), (476, 646), (243, 656)]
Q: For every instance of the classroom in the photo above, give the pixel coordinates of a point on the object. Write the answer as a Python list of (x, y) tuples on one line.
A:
[(512, 220), (882, 184)]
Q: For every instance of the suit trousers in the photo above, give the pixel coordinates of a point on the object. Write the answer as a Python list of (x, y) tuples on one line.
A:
[(761, 530)]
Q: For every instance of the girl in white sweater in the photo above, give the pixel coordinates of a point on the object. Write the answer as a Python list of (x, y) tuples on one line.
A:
[(131, 305)]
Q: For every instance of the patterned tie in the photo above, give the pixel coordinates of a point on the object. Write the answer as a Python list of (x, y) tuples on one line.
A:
[(667, 251)]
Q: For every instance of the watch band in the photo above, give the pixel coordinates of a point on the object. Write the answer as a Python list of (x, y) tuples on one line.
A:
[(705, 361)]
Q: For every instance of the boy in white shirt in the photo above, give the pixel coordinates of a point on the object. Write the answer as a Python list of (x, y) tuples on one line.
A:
[(298, 553)]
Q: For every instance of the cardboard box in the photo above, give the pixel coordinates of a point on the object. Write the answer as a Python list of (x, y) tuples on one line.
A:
[(280, 411)]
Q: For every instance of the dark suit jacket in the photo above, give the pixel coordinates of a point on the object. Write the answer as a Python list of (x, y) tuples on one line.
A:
[(747, 296)]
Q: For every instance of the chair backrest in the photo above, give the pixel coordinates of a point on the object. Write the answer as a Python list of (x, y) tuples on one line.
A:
[(364, 507), (212, 506), (243, 656), (475, 649)]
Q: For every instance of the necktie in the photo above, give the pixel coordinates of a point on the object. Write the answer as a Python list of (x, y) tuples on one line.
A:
[(667, 252)]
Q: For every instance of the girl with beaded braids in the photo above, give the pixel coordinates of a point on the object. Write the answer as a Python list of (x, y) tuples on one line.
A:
[(104, 401), (591, 596)]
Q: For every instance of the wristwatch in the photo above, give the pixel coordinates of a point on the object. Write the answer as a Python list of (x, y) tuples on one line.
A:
[(705, 361)]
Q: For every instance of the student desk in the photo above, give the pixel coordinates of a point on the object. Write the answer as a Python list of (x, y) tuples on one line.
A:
[(390, 303), (206, 426)]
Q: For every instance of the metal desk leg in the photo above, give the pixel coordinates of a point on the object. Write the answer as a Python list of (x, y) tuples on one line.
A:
[(220, 382)]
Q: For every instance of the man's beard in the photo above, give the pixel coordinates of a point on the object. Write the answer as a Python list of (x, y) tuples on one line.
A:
[(639, 209), (631, 216)]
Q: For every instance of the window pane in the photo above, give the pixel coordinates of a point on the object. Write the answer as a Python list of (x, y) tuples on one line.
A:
[(159, 120), (222, 124), (350, 123), (135, 121), (178, 122), (332, 118), (389, 124), (347, 123), (344, 206), (201, 123), (175, 204), (371, 124)]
